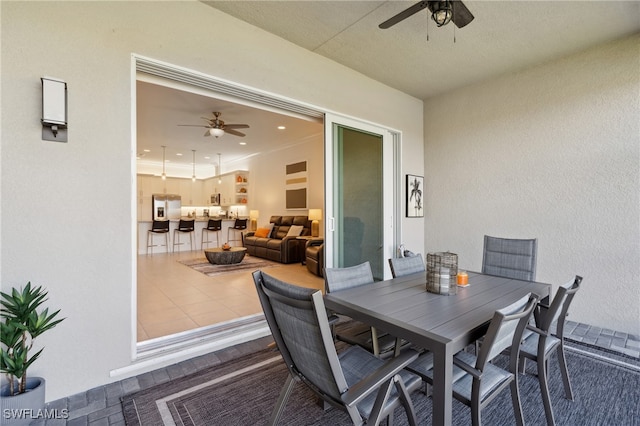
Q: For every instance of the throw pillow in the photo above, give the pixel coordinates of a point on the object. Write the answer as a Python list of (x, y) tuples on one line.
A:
[(295, 231), (262, 232)]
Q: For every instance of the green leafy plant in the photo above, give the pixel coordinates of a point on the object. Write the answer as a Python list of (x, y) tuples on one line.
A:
[(22, 322)]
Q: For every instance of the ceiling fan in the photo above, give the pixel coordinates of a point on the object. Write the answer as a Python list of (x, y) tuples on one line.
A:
[(442, 12), (218, 127)]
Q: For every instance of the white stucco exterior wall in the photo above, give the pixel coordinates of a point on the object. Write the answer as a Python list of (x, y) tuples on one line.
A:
[(67, 208), (553, 153)]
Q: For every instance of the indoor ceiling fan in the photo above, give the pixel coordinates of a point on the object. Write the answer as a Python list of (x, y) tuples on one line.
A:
[(217, 127), (442, 12)]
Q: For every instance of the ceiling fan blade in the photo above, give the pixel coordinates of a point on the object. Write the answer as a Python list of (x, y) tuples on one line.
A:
[(193, 125), (403, 15), (461, 15), (233, 132), (236, 126)]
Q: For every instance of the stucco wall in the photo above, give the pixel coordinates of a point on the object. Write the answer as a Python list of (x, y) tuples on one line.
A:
[(68, 208), (552, 152)]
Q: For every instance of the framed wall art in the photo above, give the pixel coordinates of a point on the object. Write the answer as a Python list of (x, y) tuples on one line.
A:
[(296, 186), (414, 188)]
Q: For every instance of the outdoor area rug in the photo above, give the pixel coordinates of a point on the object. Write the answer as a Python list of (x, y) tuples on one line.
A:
[(244, 391), (249, 263)]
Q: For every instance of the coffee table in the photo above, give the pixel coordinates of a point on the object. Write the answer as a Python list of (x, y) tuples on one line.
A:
[(217, 256)]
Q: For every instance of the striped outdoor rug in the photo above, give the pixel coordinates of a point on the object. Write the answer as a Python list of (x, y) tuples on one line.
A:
[(244, 391)]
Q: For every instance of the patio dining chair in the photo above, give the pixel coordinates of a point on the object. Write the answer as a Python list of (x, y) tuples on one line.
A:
[(510, 257), (375, 341), (538, 343), (477, 381), (368, 388), (401, 266)]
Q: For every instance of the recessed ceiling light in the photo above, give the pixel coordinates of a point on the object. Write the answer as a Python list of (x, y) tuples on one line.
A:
[(281, 127), (207, 157), (146, 150), (242, 143), (179, 154)]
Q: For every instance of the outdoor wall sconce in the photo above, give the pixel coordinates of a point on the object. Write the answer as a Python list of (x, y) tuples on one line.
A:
[(54, 110)]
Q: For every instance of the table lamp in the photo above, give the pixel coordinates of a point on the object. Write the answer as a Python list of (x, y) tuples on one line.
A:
[(314, 216), (253, 216)]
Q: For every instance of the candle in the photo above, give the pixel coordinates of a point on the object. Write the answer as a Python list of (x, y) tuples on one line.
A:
[(463, 278)]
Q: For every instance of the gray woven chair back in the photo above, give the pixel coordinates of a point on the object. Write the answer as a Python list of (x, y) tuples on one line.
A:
[(510, 258), (337, 279), (401, 266), (292, 315), (506, 328)]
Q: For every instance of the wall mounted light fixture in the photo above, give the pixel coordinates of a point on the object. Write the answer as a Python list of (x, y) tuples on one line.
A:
[(54, 109)]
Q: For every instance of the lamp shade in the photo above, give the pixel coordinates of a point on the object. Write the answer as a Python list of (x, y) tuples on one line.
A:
[(315, 214), (254, 214)]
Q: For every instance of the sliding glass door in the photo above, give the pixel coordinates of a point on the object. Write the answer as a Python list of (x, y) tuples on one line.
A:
[(359, 194)]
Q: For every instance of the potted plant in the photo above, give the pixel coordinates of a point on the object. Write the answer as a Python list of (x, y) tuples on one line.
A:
[(23, 320)]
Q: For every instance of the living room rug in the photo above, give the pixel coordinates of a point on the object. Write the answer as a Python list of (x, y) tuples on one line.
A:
[(244, 391), (249, 263)]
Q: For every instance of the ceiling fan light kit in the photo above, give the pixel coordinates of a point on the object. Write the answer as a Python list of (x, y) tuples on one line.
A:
[(216, 132), (217, 127), (442, 12)]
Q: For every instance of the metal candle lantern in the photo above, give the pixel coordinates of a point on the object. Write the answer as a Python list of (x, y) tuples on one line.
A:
[(442, 269)]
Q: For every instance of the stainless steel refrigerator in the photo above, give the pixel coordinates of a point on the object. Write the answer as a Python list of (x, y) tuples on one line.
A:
[(166, 206)]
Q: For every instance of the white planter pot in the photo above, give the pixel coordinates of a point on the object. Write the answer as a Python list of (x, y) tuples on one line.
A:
[(24, 408)]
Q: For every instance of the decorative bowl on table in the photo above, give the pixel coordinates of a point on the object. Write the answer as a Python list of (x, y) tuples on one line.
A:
[(226, 246)]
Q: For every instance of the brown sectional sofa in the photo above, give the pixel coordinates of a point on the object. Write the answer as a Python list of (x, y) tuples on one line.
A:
[(277, 246)]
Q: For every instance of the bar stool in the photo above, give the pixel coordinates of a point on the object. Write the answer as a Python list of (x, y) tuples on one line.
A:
[(184, 226), (215, 226), (238, 227), (158, 227)]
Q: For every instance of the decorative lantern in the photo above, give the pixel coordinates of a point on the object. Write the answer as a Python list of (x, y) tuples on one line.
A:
[(442, 271)]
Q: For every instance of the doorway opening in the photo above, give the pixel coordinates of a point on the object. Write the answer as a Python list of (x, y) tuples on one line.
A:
[(250, 326)]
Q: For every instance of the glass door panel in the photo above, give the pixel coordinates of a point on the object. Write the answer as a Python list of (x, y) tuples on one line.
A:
[(359, 197)]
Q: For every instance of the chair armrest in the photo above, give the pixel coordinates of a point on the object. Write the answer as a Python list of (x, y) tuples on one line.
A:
[(537, 330), (250, 234), (372, 382), (466, 367), (315, 242)]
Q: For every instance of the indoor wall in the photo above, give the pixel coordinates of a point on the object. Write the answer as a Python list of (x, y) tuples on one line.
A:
[(553, 153)]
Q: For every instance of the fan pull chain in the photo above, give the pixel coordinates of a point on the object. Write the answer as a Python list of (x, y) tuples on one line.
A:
[(427, 29)]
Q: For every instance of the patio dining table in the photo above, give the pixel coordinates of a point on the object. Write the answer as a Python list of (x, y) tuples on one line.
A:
[(442, 324)]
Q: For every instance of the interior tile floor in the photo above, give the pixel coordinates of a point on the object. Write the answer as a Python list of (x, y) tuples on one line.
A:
[(173, 298)]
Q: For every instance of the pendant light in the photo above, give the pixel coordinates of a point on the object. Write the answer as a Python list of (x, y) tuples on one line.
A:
[(164, 175), (193, 176)]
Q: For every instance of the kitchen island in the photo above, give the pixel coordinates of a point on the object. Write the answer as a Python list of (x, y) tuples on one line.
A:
[(200, 222)]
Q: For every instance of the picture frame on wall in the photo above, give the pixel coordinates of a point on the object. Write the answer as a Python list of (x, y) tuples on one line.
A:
[(414, 188)]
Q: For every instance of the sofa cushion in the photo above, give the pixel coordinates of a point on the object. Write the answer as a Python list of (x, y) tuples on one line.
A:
[(262, 232), (295, 230)]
